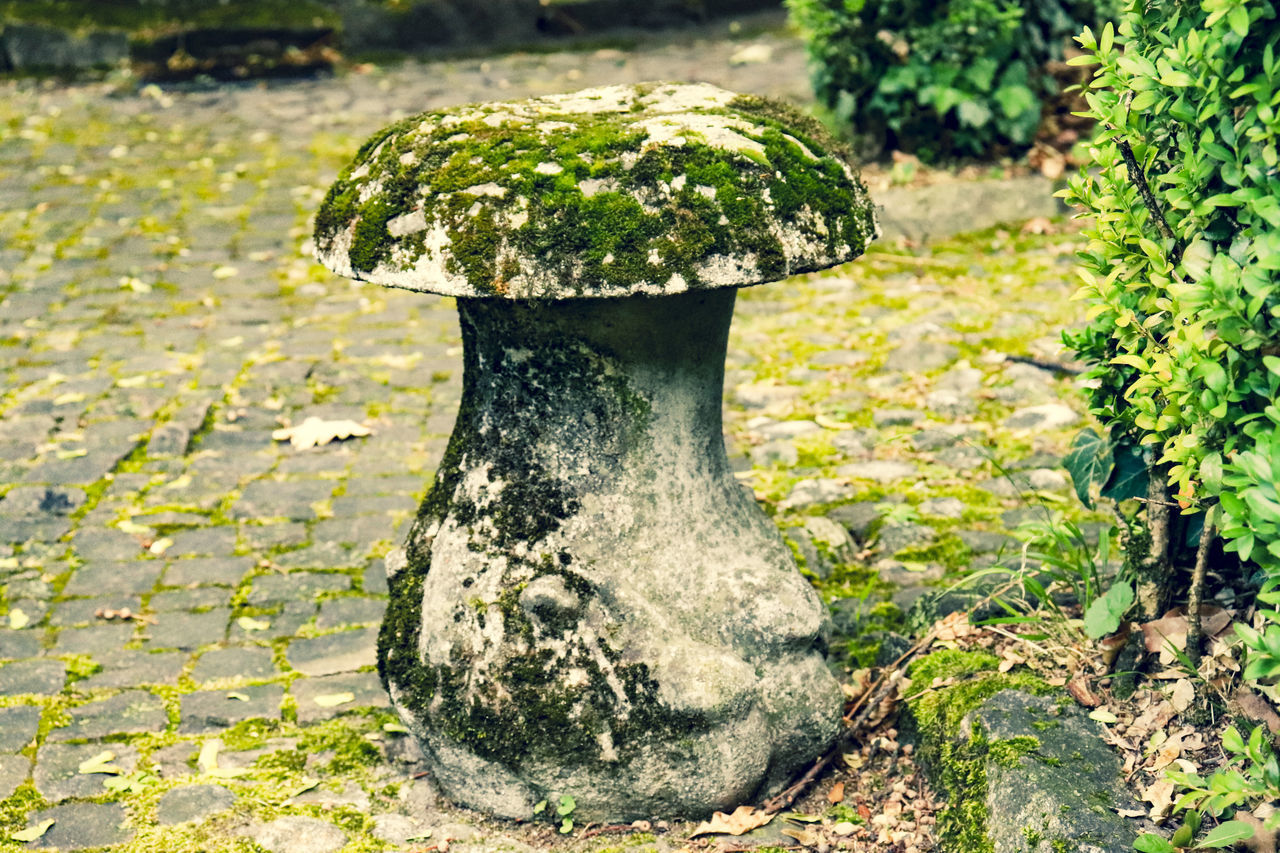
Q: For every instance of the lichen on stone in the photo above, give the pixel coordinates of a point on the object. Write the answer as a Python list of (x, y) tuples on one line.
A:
[(655, 188)]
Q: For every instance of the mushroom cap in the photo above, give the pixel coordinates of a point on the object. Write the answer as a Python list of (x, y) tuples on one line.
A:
[(655, 188)]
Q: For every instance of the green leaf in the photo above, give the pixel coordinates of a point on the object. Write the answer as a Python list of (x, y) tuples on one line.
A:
[(31, 833), (1238, 18), (1089, 462), (540, 807), (1226, 834), (1150, 843), (1104, 614), (566, 826), (567, 805)]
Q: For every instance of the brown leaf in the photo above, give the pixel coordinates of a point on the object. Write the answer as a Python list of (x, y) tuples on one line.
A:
[(1079, 689), (1263, 840), (1172, 627), (1113, 645), (1160, 795), (804, 836), (744, 819), (1254, 707), (1041, 224), (836, 794), (1184, 693)]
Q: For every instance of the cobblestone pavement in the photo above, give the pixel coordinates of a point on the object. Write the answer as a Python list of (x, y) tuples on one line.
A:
[(199, 600)]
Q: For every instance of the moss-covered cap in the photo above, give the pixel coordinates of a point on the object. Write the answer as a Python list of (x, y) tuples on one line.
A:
[(654, 188)]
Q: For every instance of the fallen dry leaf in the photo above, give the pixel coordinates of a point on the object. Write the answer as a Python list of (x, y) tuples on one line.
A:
[(836, 794), (1160, 795), (1254, 707), (743, 820), (1172, 629), (1184, 693), (1079, 689), (314, 432)]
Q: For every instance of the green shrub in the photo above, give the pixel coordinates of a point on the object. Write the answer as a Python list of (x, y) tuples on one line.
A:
[(939, 79), (1182, 278)]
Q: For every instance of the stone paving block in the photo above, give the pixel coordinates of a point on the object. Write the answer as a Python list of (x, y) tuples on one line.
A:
[(322, 555), (178, 630), (285, 622), (295, 586), (344, 651), (210, 710), (197, 598), (57, 772), (18, 725), (265, 536), (93, 640), (105, 544), (130, 712), (18, 645), (203, 542), (41, 501), (350, 610), (79, 826), (224, 571), (356, 532), (299, 835), (83, 611), (251, 663), (289, 499), (26, 530), (365, 689), (39, 677), (135, 576), (14, 770), (375, 578), (134, 667), (193, 802)]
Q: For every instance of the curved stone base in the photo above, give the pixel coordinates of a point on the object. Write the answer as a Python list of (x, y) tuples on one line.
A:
[(588, 603)]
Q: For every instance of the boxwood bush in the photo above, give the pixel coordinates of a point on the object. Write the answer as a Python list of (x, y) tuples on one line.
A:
[(939, 79), (1182, 281)]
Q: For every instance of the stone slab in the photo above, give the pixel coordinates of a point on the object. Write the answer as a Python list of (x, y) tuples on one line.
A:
[(41, 677), (365, 689), (57, 772), (209, 710), (344, 651), (81, 826), (18, 725), (14, 770), (193, 802), (236, 662), (130, 712)]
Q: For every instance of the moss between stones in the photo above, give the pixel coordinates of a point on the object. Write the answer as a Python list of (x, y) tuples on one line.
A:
[(956, 760), (722, 209)]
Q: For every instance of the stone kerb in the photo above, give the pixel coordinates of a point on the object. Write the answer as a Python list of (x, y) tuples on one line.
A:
[(587, 603)]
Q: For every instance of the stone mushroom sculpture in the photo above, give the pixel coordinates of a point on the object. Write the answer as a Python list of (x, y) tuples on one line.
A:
[(587, 603)]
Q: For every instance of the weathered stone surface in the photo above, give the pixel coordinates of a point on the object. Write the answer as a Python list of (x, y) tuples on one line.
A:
[(14, 770), (299, 835), (207, 710), (494, 627), (364, 689), (193, 802), (656, 188), (1060, 794), (57, 772), (33, 47), (79, 826), (235, 662), (32, 676), (129, 712), (343, 651), (18, 726)]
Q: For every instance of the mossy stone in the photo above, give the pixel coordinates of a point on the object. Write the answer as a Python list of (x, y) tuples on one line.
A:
[(652, 188)]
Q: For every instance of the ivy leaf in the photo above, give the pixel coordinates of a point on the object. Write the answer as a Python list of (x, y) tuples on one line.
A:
[(567, 805), (1104, 614), (1130, 476), (1089, 461)]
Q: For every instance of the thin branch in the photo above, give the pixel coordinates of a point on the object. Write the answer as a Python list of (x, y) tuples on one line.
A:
[(1139, 179), (1196, 594)]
